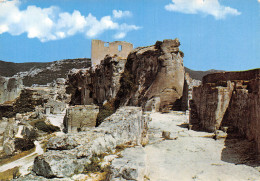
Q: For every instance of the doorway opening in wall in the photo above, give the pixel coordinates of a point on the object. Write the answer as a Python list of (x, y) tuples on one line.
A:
[(106, 44), (120, 48)]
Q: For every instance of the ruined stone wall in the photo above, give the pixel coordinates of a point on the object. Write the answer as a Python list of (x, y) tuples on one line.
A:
[(100, 49), (80, 117), (10, 88), (229, 99), (189, 84)]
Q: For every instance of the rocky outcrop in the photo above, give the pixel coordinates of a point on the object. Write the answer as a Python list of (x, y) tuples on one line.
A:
[(26, 102), (127, 126), (79, 118), (49, 99), (153, 75), (97, 85), (230, 99), (152, 78), (10, 89), (18, 137)]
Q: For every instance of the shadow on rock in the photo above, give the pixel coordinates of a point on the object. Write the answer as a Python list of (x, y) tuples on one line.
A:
[(239, 150)]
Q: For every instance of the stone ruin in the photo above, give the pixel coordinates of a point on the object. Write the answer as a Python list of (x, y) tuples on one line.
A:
[(99, 49), (80, 117), (229, 99)]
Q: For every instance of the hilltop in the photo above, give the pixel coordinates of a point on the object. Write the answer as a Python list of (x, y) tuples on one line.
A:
[(42, 73)]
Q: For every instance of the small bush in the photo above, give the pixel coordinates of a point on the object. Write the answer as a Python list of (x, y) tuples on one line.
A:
[(105, 111), (41, 125), (23, 144), (10, 174)]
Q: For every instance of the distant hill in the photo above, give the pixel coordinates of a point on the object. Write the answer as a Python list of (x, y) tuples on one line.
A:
[(199, 74), (42, 73)]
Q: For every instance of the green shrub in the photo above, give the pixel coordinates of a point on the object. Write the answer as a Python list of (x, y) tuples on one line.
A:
[(105, 111), (41, 125), (23, 144)]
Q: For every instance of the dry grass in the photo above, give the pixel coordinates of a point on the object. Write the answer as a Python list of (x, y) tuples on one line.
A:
[(16, 157), (10, 174)]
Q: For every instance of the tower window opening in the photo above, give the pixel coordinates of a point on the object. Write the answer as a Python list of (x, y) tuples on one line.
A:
[(120, 48), (106, 44)]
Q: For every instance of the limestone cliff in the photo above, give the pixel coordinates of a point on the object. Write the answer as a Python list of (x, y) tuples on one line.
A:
[(229, 99), (98, 85), (10, 88), (153, 77)]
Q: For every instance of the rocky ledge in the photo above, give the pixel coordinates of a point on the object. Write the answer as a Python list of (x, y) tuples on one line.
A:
[(72, 154)]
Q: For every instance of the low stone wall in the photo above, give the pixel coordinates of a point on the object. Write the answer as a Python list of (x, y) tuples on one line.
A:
[(80, 117), (226, 100)]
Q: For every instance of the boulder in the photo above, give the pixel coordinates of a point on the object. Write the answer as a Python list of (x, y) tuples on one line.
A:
[(70, 153), (9, 146), (57, 164), (63, 142)]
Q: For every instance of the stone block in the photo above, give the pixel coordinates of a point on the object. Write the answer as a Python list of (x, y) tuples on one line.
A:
[(80, 117)]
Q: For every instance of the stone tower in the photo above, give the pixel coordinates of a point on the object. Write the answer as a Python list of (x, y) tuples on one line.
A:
[(99, 49)]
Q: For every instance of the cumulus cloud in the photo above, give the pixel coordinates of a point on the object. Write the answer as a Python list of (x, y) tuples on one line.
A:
[(120, 14), (206, 7), (50, 24)]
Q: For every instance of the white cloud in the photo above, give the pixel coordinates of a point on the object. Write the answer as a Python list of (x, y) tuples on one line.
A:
[(206, 7), (120, 14), (259, 1), (50, 24)]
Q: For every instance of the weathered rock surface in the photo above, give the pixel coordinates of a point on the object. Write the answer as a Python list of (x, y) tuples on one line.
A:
[(96, 85), (62, 143), (69, 154), (153, 73), (10, 88), (18, 137), (192, 156), (80, 117), (153, 78), (230, 99)]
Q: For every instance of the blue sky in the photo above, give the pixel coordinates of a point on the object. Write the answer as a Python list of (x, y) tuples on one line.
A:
[(214, 34)]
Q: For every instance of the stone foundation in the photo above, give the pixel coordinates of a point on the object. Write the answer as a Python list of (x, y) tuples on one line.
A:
[(229, 99), (78, 118)]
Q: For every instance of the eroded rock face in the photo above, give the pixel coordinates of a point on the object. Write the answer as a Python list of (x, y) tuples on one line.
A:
[(127, 126), (152, 78), (230, 99), (18, 137), (97, 85), (10, 88), (154, 73)]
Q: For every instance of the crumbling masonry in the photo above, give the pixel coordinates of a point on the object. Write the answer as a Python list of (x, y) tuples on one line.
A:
[(99, 49)]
